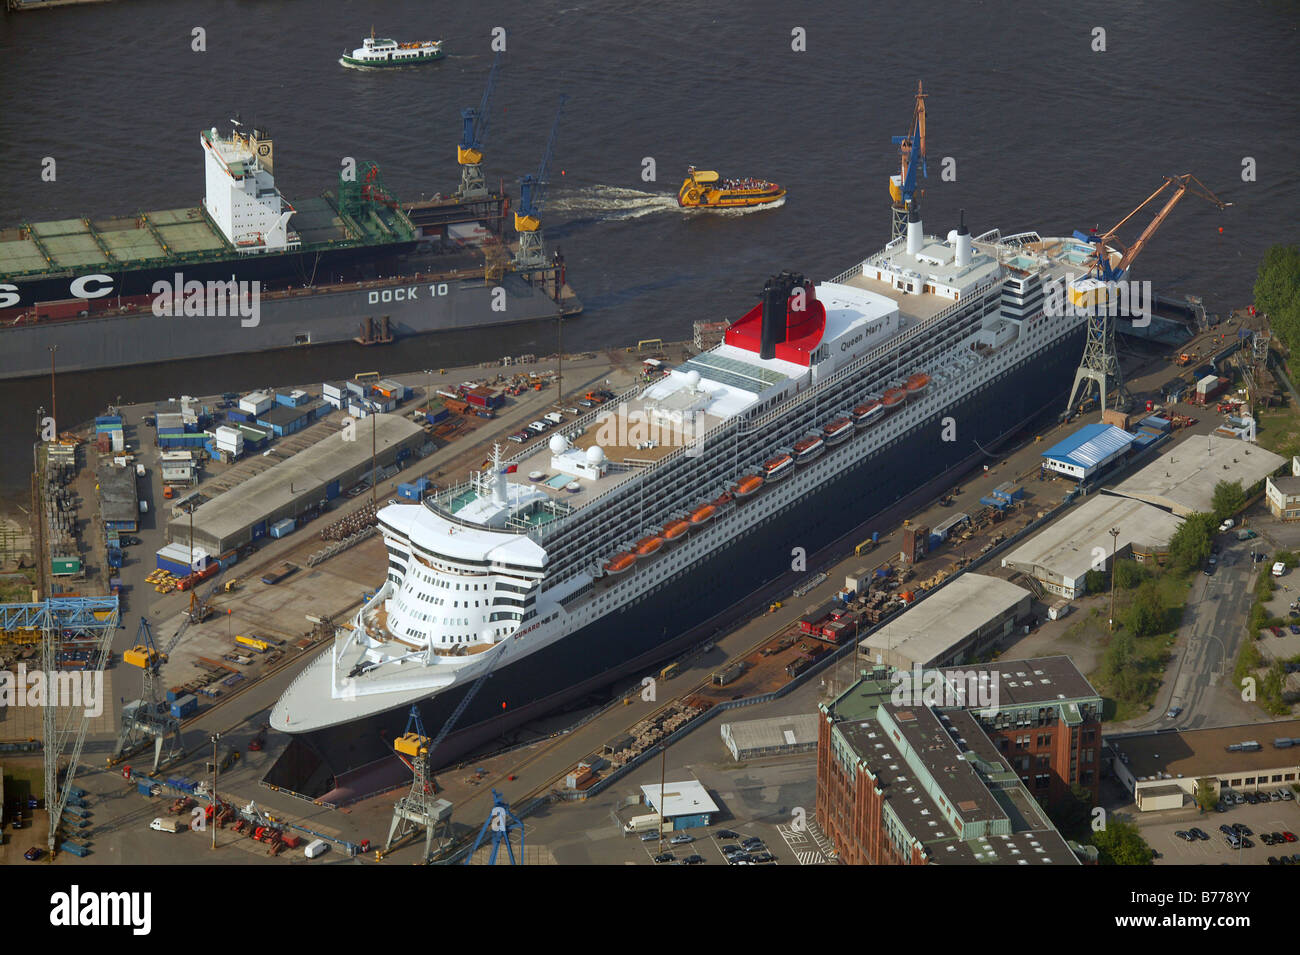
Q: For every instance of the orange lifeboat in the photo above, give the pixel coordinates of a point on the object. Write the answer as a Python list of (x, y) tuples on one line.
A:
[(620, 563), (648, 545), (779, 467), (702, 514), (809, 448), (748, 485), (836, 431), (675, 530), (893, 399), (917, 384), (863, 415)]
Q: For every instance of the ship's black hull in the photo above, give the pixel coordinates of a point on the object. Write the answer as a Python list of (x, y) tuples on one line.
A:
[(273, 270), (631, 639)]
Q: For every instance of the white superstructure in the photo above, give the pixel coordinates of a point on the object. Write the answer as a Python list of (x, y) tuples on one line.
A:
[(241, 197)]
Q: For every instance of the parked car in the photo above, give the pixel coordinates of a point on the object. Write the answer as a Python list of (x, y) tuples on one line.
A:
[(538, 426), (1185, 835), (1226, 525), (1200, 834), (32, 854), (1293, 628), (692, 860), (726, 834), (1173, 712), (665, 857), (651, 836), (1285, 794), (1242, 829), (731, 850), (1221, 806), (681, 839)]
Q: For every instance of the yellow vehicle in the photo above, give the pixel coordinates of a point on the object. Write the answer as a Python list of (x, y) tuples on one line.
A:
[(670, 671), (705, 189), (776, 605)]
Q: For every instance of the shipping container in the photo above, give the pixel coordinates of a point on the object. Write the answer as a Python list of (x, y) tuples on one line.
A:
[(185, 706), (282, 528), (1156, 423)]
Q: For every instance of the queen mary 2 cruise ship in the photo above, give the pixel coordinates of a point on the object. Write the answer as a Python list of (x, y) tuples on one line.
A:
[(566, 568)]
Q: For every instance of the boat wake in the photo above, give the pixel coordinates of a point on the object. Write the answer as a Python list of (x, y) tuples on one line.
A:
[(736, 211), (614, 203)]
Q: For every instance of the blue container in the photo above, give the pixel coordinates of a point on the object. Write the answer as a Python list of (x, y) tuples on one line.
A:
[(935, 541), (994, 502), (171, 698), (281, 528), (185, 706)]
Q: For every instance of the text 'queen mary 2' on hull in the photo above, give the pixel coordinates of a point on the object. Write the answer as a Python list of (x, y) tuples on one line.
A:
[(559, 587)]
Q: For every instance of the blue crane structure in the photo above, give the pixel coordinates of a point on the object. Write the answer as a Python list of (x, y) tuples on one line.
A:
[(502, 822), (911, 150), (532, 199), (470, 151), (147, 720)]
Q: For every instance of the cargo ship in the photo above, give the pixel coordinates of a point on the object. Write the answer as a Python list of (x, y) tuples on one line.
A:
[(350, 265), (705, 189), (383, 53), (825, 404)]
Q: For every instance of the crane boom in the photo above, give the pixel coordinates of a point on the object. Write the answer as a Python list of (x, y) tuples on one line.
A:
[(474, 134), (1107, 243)]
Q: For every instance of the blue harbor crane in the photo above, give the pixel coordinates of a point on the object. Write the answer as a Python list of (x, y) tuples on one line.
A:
[(502, 822), (470, 151), (911, 151), (532, 199), (147, 719)]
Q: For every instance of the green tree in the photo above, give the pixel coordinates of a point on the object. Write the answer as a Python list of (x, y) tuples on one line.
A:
[(1094, 581), (1118, 668), (1206, 798), (1147, 611), (1128, 573), (1277, 292), (1228, 499), (1190, 545), (1072, 813), (1120, 843)]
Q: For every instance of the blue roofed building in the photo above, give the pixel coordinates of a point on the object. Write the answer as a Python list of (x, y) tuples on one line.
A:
[(1088, 451)]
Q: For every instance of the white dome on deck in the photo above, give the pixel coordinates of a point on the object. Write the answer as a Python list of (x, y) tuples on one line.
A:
[(559, 444), (595, 456)]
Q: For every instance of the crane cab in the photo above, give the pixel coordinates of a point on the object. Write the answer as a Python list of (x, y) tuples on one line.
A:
[(412, 744)]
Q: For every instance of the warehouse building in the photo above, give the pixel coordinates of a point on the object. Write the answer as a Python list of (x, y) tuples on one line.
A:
[(1283, 494), (686, 805), (774, 736), (1088, 451), (951, 625), (1061, 554), (1182, 479), (119, 507), (1161, 770), (321, 472)]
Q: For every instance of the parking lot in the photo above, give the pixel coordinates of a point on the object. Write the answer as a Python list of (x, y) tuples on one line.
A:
[(1269, 817)]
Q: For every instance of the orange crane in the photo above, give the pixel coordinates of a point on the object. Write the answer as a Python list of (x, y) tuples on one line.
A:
[(1107, 243)]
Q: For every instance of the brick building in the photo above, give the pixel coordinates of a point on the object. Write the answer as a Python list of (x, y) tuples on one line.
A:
[(919, 782)]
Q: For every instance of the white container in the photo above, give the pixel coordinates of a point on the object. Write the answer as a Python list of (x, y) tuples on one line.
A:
[(256, 402), (315, 848), (119, 440)]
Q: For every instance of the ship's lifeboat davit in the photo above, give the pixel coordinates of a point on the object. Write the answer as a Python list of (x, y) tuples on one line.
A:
[(648, 545), (748, 485), (675, 530), (808, 448), (620, 563), (778, 467), (916, 385), (864, 415), (836, 431)]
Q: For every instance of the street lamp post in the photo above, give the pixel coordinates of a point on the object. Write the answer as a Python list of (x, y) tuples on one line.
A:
[(216, 768), (1114, 541)]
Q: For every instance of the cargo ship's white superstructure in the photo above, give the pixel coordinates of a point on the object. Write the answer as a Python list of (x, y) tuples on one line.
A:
[(627, 500)]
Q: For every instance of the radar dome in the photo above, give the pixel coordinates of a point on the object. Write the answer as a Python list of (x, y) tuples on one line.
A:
[(952, 236), (559, 444), (595, 456), (692, 379)]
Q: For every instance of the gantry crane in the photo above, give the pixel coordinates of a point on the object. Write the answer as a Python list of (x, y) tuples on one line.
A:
[(911, 151), (470, 151), (502, 822), (147, 719), (1101, 266), (418, 809), (1109, 261), (532, 198)]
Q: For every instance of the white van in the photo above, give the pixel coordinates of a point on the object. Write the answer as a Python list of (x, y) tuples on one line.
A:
[(538, 426), (315, 848), (1279, 569), (554, 417), (144, 507)]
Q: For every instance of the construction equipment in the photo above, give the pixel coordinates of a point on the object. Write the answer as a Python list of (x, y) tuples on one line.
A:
[(148, 718), (1106, 244), (532, 199), (911, 151), (502, 823), (470, 151), (1109, 261), (418, 809)]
